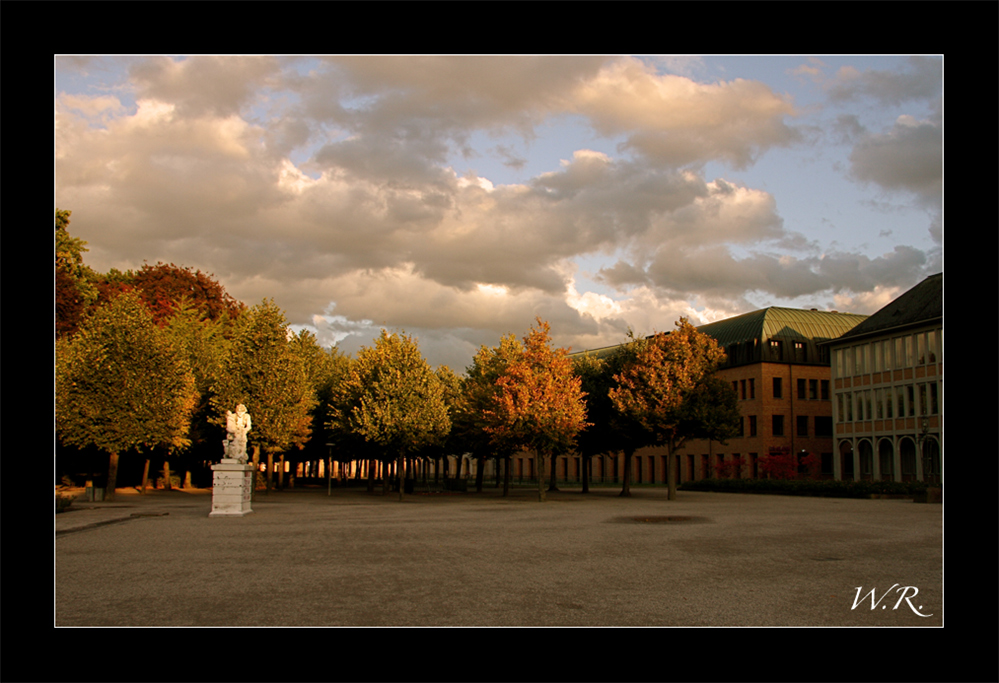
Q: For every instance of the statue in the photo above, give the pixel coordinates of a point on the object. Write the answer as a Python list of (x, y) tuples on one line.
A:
[(236, 425)]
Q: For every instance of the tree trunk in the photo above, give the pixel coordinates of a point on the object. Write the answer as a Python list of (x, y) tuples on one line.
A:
[(371, 477), (401, 467), (256, 470), (552, 484), (166, 473), (670, 474), (506, 475), (539, 460), (270, 471), (112, 477), (480, 473), (584, 463), (281, 472), (626, 487), (145, 475)]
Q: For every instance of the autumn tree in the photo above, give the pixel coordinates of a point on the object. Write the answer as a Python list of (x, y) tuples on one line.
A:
[(539, 405), (666, 387), (122, 385), (394, 400), (164, 286), (264, 373)]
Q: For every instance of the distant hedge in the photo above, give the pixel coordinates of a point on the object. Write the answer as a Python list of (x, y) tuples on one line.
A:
[(807, 487)]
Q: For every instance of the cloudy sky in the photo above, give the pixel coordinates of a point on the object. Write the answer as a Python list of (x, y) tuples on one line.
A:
[(457, 197)]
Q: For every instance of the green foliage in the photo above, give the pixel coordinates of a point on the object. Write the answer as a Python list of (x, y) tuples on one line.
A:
[(392, 399), (121, 383), (263, 371), (74, 282)]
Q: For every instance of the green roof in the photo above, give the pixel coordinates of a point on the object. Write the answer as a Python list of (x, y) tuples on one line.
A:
[(746, 337), (782, 323)]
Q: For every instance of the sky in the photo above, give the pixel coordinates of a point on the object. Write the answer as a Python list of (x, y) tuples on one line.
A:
[(457, 198)]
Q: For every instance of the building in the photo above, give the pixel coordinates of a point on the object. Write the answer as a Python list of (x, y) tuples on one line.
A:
[(888, 390), (779, 367)]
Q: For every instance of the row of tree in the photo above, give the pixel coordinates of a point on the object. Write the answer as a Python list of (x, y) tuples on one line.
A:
[(154, 359)]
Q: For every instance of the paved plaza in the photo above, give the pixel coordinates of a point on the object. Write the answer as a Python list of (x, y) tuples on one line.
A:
[(306, 558)]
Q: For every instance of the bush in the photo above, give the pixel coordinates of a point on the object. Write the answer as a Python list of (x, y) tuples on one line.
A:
[(807, 487), (62, 502)]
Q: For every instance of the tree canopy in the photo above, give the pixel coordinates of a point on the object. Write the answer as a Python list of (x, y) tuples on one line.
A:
[(665, 387), (539, 403), (264, 372), (393, 400), (122, 385)]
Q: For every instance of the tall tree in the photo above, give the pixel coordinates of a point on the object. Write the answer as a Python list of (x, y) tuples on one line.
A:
[(325, 369), (479, 394), (122, 385), (74, 281), (665, 388), (394, 400), (540, 405), (264, 373)]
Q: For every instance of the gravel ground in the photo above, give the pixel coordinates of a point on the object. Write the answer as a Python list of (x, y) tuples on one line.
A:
[(305, 558)]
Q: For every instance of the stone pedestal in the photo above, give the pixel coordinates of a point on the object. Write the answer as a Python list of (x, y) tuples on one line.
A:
[(232, 489)]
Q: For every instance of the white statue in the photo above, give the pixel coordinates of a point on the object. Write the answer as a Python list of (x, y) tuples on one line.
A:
[(236, 425)]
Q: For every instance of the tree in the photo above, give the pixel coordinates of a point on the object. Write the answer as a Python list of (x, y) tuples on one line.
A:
[(479, 392), (163, 286), (667, 388), (539, 404), (122, 385), (393, 400), (610, 431), (325, 369), (205, 343), (264, 373), (74, 282)]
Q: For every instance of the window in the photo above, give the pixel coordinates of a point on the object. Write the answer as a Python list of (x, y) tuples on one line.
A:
[(934, 406), (778, 425), (825, 389), (802, 425), (801, 389), (921, 349), (840, 368), (876, 356), (752, 425), (777, 388), (799, 352), (911, 390), (775, 350), (743, 386), (823, 426), (813, 389), (752, 388), (879, 404), (931, 343)]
